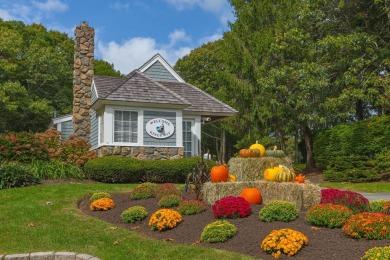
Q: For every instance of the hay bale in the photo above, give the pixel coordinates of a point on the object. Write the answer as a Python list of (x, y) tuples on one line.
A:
[(252, 169), (302, 195)]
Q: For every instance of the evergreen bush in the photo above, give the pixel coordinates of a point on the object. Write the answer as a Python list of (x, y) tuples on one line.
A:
[(114, 169), (16, 175)]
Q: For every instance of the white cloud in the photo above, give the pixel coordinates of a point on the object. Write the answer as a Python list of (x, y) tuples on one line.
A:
[(50, 6), (6, 16), (134, 52), (177, 36), (120, 6), (129, 55), (210, 38), (208, 5)]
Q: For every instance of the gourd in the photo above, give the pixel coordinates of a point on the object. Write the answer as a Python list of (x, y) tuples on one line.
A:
[(232, 178), (245, 153), (270, 174), (285, 175), (300, 179), (258, 146), (275, 153), (219, 173), (252, 195)]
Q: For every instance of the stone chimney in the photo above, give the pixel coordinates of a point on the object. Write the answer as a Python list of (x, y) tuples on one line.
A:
[(82, 79)]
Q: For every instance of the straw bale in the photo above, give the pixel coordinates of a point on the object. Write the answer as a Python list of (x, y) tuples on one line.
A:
[(252, 169), (302, 195)]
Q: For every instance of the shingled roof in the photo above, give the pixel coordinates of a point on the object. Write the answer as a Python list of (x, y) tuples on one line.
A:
[(136, 87), (200, 100)]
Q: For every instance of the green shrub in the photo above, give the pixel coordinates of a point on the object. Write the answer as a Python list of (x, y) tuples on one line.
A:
[(351, 168), (278, 210), (167, 189), (99, 195), (383, 161), (113, 169), (21, 147), (377, 253), (141, 192), (377, 205), (144, 190), (191, 207), (16, 175), (170, 200), (328, 215), (134, 214), (54, 170), (218, 231)]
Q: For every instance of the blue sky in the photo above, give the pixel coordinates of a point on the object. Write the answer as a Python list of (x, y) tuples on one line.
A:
[(129, 32)]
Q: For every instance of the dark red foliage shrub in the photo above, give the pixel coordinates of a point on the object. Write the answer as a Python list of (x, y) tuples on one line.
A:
[(166, 189), (231, 207), (22, 147), (353, 200)]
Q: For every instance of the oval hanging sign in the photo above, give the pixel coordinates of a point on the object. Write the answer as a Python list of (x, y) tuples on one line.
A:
[(160, 128)]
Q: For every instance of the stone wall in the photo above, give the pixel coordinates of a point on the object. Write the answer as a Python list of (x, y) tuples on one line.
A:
[(82, 79), (141, 152), (49, 256)]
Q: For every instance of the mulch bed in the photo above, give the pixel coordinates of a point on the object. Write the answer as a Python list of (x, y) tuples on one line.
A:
[(324, 243)]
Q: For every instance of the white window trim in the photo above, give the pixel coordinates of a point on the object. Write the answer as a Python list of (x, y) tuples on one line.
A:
[(138, 119)]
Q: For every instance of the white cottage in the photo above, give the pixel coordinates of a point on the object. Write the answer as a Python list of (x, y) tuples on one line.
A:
[(151, 113)]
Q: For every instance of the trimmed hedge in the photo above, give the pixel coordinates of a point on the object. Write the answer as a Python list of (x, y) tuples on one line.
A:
[(352, 169), (355, 152), (113, 169)]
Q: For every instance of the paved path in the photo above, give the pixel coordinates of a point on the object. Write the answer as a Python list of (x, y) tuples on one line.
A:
[(376, 196)]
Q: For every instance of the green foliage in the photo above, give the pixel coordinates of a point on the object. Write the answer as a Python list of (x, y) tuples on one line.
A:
[(353, 168), (191, 207), (218, 231), (36, 75), (278, 210), (140, 192), (99, 195), (21, 147), (121, 169), (377, 205), (377, 253), (16, 175), (103, 68), (328, 215), (370, 138), (134, 214), (169, 201), (55, 170)]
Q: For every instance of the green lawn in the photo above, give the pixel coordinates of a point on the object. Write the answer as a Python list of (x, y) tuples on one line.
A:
[(46, 218), (362, 187)]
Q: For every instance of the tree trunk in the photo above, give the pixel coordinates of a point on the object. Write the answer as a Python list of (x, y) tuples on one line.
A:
[(310, 164), (223, 147), (359, 110)]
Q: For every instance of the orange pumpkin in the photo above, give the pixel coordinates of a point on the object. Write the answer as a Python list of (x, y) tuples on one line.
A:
[(245, 153), (300, 179), (252, 195), (219, 173)]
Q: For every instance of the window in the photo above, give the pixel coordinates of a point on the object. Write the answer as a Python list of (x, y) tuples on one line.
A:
[(125, 126), (187, 139)]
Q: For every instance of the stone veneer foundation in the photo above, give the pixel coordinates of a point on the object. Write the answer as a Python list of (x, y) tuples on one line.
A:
[(142, 153), (82, 79)]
